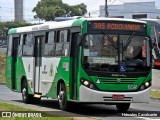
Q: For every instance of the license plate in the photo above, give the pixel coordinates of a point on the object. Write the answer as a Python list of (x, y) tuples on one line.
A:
[(117, 97)]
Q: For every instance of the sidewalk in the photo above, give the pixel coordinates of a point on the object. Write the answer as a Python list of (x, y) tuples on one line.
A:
[(156, 79)]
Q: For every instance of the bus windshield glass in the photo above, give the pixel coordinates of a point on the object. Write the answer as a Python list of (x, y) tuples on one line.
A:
[(115, 53)]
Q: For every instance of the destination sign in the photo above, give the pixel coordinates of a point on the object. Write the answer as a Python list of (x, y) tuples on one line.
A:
[(116, 26)]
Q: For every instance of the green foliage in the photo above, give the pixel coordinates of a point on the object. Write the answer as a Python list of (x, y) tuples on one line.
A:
[(49, 9), (3, 67), (5, 26), (15, 108), (155, 94)]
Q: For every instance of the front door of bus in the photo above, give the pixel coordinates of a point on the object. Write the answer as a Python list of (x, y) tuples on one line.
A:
[(14, 61), (38, 62), (74, 55)]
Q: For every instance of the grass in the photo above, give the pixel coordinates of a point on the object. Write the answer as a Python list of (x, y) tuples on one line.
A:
[(2, 67), (155, 94), (10, 107)]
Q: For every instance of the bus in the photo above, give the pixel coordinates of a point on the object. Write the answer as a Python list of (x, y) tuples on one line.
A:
[(155, 36), (84, 60)]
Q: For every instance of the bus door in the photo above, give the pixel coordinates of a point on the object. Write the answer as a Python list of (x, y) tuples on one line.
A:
[(14, 60), (38, 50), (74, 56)]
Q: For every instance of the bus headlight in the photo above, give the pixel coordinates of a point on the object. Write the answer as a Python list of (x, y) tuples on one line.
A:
[(88, 84), (142, 87), (146, 84)]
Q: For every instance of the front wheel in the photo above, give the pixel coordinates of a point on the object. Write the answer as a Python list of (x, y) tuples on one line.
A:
[(62, 97), (123, 107)]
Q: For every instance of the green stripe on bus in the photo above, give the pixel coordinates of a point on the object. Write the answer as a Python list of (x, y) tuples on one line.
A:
[(79, 22), (13, 30)]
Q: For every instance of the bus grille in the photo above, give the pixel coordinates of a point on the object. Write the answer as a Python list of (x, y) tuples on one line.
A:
[(117, 80)]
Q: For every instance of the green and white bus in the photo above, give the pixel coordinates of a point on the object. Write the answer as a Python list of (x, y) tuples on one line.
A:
[(85, 60)]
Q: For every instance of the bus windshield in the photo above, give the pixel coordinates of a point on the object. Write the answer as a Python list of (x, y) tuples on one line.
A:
[(115, 53)]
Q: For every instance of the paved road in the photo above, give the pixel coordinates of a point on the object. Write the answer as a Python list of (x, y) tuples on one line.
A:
[(156, 79), (3, 50), (104, 112)]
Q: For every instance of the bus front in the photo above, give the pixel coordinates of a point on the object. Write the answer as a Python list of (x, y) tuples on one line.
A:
[(115, 63)]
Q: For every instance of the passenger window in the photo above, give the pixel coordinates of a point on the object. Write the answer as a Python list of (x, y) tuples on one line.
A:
[(20, 46), (28, 45), (49, 44), (62, 44), (63, 36), (9, 53)]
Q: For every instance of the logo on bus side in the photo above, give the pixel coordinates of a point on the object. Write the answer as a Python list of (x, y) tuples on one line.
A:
[(51, 70), (44, 71)]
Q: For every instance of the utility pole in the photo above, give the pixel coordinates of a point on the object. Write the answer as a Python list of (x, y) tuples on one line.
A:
[(106, 9)]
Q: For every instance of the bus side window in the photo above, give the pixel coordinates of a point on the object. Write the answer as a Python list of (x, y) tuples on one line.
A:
[(49, 49), (9, 52), (20, 44), (63, 44), (28, 45)]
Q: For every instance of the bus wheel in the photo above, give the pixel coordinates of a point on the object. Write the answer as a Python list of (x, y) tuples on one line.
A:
[(25, 96), (62, 97), (36, 100), (123, 107)]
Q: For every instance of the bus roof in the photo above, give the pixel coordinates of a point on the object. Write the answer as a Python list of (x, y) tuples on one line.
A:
[(151, 20), (65, 24)]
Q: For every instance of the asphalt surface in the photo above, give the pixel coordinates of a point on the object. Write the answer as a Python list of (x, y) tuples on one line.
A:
[(87, 112), (156, 79)]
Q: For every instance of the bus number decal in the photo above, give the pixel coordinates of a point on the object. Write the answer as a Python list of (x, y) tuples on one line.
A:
[(99, 26), (132, 87)]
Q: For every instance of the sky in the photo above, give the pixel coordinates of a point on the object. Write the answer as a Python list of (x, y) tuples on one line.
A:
[(7, 7)]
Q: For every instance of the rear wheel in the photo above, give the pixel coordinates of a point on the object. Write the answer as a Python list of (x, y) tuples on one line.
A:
[(123, 107), (27, 98), (62, 97)]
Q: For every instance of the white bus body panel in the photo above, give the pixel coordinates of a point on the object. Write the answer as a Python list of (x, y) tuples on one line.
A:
[(89, 95), (29, 66), (47, 73)]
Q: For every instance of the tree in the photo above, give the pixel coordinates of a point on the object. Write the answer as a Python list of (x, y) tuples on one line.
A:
[(49, 9), (5, 26)]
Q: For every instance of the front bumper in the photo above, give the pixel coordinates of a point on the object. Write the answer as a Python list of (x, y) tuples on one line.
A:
[(94, 96)]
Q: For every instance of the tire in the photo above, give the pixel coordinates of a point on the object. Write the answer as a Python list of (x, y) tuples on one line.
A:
[(62, 97), (123, 107), (36, 100), (25, 96)]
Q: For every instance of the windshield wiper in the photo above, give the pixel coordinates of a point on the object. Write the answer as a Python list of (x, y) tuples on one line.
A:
[(128, 41)]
